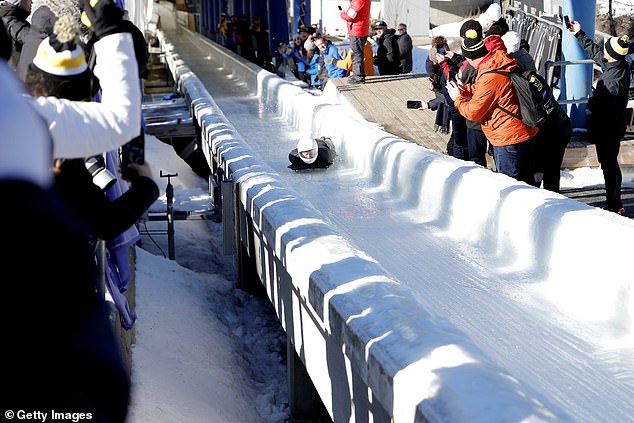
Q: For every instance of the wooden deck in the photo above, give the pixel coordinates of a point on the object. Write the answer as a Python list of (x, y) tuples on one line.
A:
[(382, 100)]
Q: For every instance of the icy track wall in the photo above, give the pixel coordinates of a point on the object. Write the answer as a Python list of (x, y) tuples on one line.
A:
[(348, 319)]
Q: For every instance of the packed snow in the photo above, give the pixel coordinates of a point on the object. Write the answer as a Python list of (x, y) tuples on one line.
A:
[(573, 352)]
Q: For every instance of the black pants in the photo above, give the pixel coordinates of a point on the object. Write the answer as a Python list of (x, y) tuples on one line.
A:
[(477, 146), (550, 147), (356, 45), (458, 134), (608, 152)]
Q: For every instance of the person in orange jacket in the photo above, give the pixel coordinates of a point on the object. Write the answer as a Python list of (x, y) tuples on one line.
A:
[(358, 17), (512, 140), (368, 64)]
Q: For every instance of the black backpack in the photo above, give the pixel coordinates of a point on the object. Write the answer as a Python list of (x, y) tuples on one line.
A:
[(535, 96)]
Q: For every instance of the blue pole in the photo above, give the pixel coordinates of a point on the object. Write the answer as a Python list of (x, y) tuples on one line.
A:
[(278, 23), (577, 79), (297, 14)]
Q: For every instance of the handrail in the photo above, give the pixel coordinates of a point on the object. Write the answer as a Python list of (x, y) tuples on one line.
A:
[(550, 63), (537, 18)]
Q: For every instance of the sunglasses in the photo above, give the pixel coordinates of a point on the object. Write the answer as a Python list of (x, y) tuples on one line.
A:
[(401, 29)]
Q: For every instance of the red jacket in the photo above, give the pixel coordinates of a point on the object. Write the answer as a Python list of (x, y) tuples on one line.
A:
[(358, 17), (494, 43)]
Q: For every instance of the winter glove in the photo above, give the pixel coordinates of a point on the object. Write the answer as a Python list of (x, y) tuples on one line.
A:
[(104, 17)]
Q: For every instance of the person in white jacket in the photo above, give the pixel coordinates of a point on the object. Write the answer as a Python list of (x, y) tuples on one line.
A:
[(82, 129), (65, 355)]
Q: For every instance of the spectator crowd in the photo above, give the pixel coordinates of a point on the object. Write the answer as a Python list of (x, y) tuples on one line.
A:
[(312, 58)]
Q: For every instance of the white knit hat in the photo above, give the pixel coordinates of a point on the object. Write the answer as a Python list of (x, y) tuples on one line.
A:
[(61, 63), (26, 150), (61, 54), (512, 41), (307, 150), (493, 13)]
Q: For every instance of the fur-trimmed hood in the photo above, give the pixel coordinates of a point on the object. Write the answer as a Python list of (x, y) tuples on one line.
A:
[(59, 7)]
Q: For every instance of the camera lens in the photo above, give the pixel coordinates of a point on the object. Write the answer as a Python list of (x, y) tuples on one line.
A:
[(100, 175)]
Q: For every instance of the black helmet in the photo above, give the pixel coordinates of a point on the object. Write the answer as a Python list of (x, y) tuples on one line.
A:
[(380, 24)]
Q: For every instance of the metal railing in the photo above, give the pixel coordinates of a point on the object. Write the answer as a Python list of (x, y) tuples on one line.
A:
[(551, 64)]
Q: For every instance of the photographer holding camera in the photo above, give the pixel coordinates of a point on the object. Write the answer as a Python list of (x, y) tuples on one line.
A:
[(59, 70)]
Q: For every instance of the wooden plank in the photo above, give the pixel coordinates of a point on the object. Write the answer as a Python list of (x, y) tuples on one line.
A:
[(382, 100)]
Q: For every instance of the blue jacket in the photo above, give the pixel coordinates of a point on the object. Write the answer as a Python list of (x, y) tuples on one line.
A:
[(331, 55), (300, 59), (313, 70)]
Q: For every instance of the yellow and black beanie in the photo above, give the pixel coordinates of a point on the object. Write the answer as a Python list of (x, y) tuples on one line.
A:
[(617, 48), (472, 41), (62, 63)]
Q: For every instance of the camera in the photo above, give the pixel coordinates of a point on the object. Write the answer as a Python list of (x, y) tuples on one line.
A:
[(414, 104), (133, 152), (567, 21), (101, 176)]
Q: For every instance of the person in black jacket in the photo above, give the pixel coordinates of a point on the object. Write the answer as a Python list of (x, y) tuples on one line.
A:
[(6, 45), (437, 84), (259, 31), (14, 15), (445, 64), (312, 153), (405, 48), (388, 56), (607, 105), (554, 134)]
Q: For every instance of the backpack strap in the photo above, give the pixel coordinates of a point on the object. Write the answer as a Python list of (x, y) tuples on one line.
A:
[(508, 75)]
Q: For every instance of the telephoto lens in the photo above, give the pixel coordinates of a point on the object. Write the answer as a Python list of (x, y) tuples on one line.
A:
[(101, 176)]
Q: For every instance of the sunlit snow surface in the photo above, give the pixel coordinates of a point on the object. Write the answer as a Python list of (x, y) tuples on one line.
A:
[(565, 339)]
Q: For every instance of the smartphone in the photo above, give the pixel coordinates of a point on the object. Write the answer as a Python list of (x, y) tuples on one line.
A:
[(414, 104), (567, 21), (133, 152), (441, 50), (340, 8)]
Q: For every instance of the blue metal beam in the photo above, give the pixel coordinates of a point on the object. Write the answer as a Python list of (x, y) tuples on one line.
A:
[(301, 15), (576, 80), (278, 23)]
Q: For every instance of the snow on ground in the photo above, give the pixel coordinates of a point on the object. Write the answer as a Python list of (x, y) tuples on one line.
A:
[(204, 352), (619, 7)]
